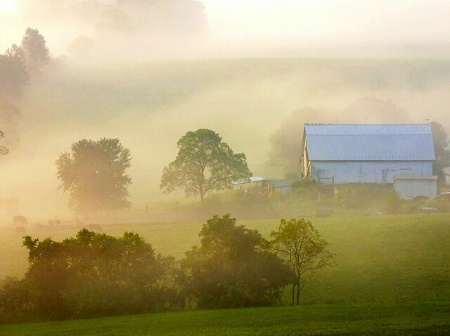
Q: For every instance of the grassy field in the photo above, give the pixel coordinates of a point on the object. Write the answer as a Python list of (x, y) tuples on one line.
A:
[(396, 258), (391, 278), (432, 318)]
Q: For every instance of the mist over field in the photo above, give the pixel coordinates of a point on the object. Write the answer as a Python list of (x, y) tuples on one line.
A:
[(147, 72), (150, 105)]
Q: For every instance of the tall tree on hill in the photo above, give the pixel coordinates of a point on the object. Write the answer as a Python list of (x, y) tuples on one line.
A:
[(440, 141), (95, 175), (3, 149), (204, 163), (36, 53), (299, 244), (9, 119), (13, 73)]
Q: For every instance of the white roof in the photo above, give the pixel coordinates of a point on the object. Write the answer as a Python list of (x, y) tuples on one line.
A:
[(364, 142)]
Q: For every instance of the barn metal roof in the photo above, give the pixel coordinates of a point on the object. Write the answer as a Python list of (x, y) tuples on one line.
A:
[(407, 142)]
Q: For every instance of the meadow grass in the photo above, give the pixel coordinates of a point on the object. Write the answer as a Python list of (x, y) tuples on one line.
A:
[(395, 258), (427, 318)]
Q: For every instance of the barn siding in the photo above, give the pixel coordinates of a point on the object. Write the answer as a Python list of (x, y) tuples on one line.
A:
[(367, 171)]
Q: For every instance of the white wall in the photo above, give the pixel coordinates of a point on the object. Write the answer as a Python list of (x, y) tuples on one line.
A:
[(368, 171)]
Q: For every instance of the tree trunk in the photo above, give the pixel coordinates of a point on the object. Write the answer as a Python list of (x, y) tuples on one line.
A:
[(298, 291), (293, 294)]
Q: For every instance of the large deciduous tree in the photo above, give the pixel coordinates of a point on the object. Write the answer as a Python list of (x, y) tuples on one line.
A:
[(92, 274), (440, 141), (299, 244), (204, 162), (233, 267), (95, 175)]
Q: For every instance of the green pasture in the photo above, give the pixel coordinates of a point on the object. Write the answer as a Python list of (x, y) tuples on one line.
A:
[(429, 318), (395, 258)]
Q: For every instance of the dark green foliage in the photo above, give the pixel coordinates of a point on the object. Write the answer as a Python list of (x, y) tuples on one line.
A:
[(89, 275), (233, 267), (204, 163), (14, 300), (94, 173)]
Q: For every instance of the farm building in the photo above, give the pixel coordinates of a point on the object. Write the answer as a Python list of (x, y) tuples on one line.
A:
[(263, 186), (349, 153), (408, 187)]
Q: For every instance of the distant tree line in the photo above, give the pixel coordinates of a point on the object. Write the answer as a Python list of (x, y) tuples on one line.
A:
[(95, 274), (18, 65)]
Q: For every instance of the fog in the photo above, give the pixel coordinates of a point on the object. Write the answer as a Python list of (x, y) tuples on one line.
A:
[(130, 70)]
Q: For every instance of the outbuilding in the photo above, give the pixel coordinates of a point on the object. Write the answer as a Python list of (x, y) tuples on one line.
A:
[(408, 187)]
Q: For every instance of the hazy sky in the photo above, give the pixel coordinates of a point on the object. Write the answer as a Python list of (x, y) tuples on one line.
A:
[(296, 26), (332, 23)]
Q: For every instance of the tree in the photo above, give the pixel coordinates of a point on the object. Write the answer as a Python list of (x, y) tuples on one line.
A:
[(204, 162), (94, 174), (13, 73), (9, 119), (233, 267), (299, 244), (35, 51), (286, 141), (440, 141), (3, 149), (91, 275)]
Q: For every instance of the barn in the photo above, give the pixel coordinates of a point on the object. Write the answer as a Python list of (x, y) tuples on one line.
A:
[(366, 153)]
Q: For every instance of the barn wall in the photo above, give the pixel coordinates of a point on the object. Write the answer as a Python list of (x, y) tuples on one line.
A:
[(367, 171)]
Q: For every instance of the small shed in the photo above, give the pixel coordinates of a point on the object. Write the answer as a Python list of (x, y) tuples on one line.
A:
[(262, 185), (409, 186), (255, 184)]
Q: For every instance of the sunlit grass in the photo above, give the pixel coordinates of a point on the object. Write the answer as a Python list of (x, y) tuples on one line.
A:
[(430, 318)]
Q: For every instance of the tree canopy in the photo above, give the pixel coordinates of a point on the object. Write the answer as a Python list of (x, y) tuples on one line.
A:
[(204, 163), (233, 267), (91, 274), (36, 53), (440, 141), (300, 245), (3, 149), (95, 175), (13, 73)]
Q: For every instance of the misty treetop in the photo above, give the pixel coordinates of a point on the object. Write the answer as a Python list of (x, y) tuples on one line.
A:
[(3, 149), (19, 62), (440, 141), (35, 51), (204, 163), (95, 175)]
